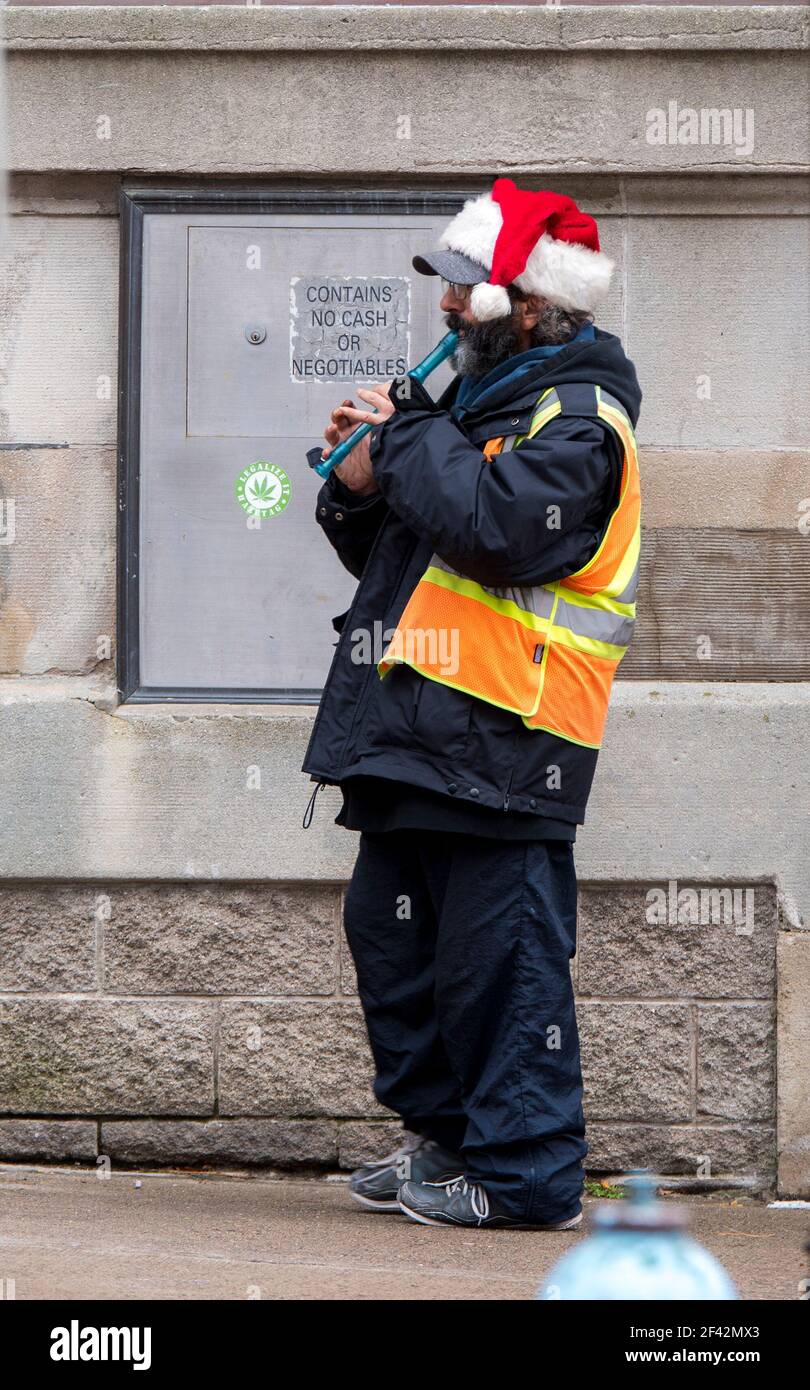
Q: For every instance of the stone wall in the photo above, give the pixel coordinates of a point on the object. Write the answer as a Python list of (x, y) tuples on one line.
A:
[(168, 993), (219, 1024)]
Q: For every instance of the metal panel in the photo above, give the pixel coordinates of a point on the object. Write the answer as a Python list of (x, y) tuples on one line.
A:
[(253, 324)]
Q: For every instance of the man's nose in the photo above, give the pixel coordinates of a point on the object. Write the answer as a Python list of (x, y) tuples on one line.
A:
[(450, 305)]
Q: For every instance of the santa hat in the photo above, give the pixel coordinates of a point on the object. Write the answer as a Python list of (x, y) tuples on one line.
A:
[(538, 241)]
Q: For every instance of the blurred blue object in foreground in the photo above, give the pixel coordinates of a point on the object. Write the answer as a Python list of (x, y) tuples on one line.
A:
[(638, 1251)]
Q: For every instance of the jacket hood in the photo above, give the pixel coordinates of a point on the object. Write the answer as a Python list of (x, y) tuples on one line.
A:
[(600, 361)]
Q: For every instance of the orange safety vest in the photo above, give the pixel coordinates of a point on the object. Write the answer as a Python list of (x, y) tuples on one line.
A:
[(547, 652)]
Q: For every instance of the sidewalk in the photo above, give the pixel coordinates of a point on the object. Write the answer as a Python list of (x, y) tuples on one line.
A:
[(71, 1235)]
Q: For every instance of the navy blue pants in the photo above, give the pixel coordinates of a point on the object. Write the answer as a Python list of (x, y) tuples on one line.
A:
[(462, 948)]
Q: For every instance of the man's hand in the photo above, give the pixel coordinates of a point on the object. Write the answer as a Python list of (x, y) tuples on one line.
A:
[(355, 471)]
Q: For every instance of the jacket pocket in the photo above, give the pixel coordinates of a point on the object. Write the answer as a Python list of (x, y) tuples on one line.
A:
[(407, 710), (441, 720)]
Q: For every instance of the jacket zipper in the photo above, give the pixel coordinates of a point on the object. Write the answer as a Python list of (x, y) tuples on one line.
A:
[(508, 790), (508, 793)]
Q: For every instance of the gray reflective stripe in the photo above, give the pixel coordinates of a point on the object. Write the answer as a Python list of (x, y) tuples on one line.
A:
[(628, 594), (550, 401), (594, 622), (437, 563), (537, 600), (612, 401), (607, 399), (542, 406)]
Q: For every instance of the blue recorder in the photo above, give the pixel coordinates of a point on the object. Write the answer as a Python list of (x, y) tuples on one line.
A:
[(423, 369)]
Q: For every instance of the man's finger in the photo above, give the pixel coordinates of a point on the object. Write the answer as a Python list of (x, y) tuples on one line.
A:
[(362, 417)]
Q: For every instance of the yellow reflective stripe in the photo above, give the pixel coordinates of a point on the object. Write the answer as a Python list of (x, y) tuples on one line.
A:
[(569, 738), (542, 419), (621, 423), (600, 601), (565, 637), (552, 632), (631, 463), (471, 589), (627, 566)]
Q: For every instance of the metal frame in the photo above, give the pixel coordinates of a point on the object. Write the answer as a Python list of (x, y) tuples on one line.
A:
[(134, 201)]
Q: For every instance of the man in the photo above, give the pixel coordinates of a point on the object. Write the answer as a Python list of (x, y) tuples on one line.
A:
[(495, 536)]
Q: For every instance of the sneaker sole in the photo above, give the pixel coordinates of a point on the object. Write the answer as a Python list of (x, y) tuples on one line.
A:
[(518, 1226), (371, 1205)]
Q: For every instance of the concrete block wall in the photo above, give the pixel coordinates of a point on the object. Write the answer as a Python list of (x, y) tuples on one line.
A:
[(178, 1023), (171, 981)]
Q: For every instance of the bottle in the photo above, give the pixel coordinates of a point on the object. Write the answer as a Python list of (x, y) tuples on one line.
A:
[(639, 1250)]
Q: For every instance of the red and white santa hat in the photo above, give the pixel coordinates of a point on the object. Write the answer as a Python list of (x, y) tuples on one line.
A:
[(538, 241)]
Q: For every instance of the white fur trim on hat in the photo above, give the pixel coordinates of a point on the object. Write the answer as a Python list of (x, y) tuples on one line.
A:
[(474, 230), (490, 301), (562, 272), (567, 274)]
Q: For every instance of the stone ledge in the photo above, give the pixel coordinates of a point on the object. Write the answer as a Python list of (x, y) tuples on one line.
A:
[(736, 1149), (304, 28), (158, 792), (249, 1143), (56, 92), (623, 195), (50, 1141)]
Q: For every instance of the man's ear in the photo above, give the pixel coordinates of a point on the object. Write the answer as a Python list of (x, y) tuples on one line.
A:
[(531, 309)]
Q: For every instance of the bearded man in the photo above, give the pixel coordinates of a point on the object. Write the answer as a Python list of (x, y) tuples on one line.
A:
[(495, 535)]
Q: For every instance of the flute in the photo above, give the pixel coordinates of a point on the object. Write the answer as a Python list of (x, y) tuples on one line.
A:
[(434, 359)]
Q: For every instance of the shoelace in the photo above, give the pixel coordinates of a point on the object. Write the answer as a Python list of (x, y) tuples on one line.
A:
[(478, 1197)]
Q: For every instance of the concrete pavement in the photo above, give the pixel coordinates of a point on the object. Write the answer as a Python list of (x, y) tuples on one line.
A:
[(68, 1234)]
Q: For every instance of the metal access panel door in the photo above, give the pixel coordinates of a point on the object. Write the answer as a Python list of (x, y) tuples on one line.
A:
[(252, 327)]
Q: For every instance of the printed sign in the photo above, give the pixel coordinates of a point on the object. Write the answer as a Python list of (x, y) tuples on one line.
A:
[(349, 328)]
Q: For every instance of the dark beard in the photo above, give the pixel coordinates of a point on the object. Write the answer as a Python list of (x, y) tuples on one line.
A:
[(483, 345), (486, 345)]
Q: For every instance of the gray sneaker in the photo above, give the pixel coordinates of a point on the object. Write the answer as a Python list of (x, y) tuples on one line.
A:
[(375, 1185), (464, 1203)]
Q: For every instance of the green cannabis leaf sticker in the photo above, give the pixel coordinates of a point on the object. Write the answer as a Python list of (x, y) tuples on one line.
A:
[(263, 489)]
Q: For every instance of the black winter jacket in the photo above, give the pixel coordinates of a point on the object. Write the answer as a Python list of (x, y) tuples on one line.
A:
[(488, 521)]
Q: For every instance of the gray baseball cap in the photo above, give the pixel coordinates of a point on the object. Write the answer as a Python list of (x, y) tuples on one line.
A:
[(452, 266)]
